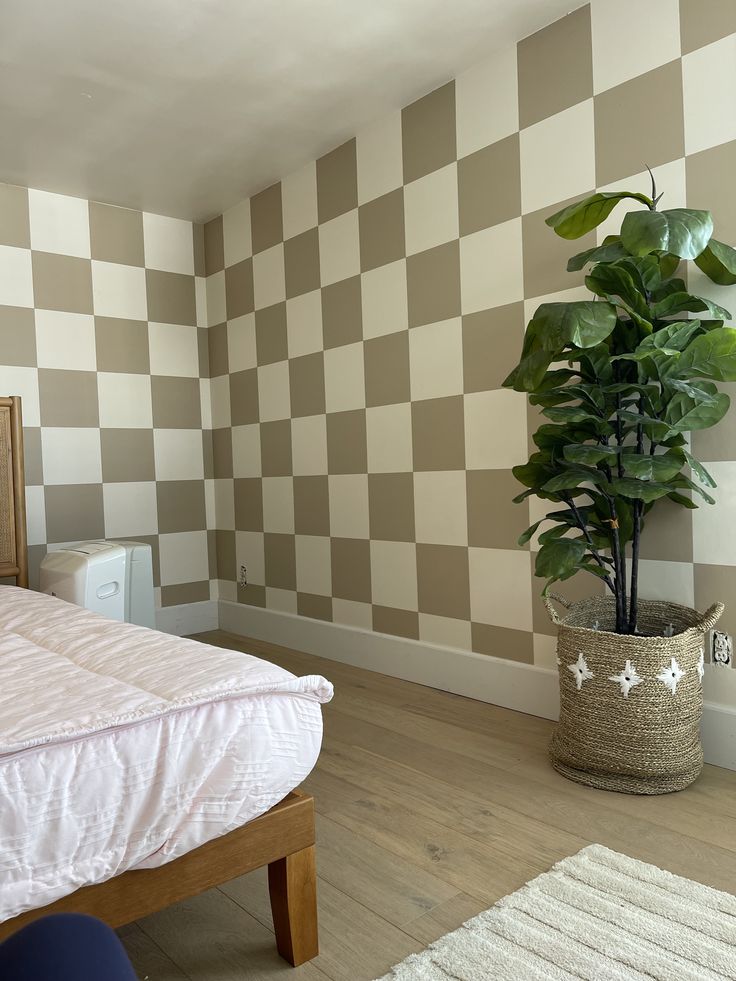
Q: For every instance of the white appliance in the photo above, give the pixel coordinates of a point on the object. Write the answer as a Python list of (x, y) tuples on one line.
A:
[(114, 578)]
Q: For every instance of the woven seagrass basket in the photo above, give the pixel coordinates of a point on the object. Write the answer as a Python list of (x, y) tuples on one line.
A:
[(630, 705)]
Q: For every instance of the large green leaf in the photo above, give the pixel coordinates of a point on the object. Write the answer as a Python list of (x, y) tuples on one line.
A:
[(639, 490), (614, 281), (577, 219), (570, 413), (559, 557), (645, 467), (711, 355), (573, 479), (685, 414), (679, 302), (611, 250), (685, 483), (530, 371), (718, 262), (703, 475), (527, 535), (682, 231), (675, 336), (588, 453), (581, 323)]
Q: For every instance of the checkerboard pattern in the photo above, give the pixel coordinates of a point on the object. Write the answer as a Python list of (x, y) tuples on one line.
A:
[(100, 314), (363, 312)]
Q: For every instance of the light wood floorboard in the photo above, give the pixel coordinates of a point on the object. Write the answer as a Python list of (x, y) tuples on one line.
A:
[(430, 807)]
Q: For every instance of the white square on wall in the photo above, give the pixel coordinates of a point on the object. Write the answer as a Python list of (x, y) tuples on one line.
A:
[(184, 557), (501, 587), (445, 631), (59, 223), (16, 277), (65, 340), (440, 507), (557, 157), (431, 210), (487, 102), (304, 324), (344, 378), (236, 233), (130, 509), (71, 456), (385, 304), (24, 382), (299, 200), (714, 525), (168, 244), (174, 350), (278, 505), (654, 41), (269, 284), (436, 359), (495, 430), (241, 343), (379, 158), (394, 574), (389, 438), (119, 291), (178, 454), (36, 515), (708, 86), (491, 267), (339, 248), (125, 400), (247, 450)]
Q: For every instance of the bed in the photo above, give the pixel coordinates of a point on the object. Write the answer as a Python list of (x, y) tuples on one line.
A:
[(138, 769)]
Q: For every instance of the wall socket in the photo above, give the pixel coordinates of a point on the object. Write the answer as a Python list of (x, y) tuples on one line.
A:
[(721, 649), (242, 576)]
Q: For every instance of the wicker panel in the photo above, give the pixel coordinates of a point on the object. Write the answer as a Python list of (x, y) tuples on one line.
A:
[(7, 507)]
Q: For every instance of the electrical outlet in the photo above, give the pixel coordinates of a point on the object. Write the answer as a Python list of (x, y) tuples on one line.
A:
[(721, 649), (243, 576)]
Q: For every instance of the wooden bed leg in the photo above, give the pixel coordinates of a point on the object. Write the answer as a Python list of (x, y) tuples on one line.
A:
[(292, 885)]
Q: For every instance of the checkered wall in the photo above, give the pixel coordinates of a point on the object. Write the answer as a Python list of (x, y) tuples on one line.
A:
[(364, 311), (99, 314)]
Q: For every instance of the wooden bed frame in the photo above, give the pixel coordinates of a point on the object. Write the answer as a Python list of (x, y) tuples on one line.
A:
[(282, 838), (13, 545)]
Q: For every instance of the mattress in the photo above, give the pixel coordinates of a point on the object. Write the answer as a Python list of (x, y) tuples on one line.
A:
[(122, 747)]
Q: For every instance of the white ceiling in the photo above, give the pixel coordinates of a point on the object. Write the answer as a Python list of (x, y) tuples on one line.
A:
[(184, 107)]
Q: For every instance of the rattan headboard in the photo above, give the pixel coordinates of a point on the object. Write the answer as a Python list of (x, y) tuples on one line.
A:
[(13, 543)]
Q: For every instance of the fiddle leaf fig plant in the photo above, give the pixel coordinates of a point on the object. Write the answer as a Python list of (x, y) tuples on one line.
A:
[(621, 379)]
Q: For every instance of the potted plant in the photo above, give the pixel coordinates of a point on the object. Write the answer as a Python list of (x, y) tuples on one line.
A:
[(622, 378)]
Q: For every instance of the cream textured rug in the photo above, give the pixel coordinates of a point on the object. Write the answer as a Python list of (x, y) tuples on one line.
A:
[(596, 915)]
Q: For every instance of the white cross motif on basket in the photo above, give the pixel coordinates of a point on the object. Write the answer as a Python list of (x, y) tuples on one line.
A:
[(580, 671), (627, 679), (671, 675), (701, 665)]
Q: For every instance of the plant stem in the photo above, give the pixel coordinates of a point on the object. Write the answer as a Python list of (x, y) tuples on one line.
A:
[(634, 598), (583, 527)]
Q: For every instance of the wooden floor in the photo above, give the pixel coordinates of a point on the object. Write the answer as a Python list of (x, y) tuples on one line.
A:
[(430, 807)]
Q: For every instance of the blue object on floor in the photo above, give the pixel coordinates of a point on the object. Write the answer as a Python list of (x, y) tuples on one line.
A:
[(65, 947)]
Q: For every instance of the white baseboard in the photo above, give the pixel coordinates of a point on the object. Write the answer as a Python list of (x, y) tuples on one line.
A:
[(187, 618), (523, 687)]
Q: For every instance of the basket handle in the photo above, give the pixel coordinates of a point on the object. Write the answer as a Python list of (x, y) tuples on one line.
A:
[(553, 615), (710, 618)]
